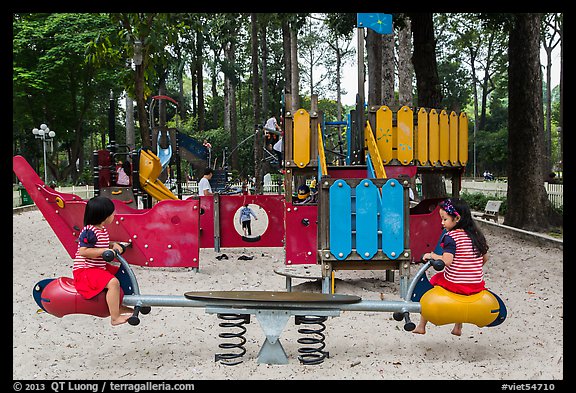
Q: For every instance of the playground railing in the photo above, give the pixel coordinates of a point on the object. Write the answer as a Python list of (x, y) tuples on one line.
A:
[(87, 192)]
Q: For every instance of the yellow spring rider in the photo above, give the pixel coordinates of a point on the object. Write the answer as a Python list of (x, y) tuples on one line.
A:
[(442, 307)]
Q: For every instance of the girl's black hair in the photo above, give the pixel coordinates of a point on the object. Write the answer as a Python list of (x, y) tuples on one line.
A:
[(127, 167), (97, 210), (466, 223)]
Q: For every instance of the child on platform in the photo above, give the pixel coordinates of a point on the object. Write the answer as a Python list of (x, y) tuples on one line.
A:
[(92, 274), (464, 252)]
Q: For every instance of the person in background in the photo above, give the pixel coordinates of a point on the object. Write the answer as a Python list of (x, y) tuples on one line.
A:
[(124, 173), (204, 187), (271, 125), (245, 219)]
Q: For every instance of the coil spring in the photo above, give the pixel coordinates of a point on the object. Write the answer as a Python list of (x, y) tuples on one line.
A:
[(232, 321), (312, 355)]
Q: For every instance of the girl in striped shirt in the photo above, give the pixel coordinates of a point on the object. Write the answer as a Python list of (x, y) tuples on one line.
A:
[(92, 274), (464, 252)]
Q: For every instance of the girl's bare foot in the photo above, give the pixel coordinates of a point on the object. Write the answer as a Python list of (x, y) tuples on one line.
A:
[(122, 318), (419, 330), (457, 331)]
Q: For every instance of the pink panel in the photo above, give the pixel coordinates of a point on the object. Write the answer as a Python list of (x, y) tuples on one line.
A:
[(273, 205), (301, 239), (164, 236), (425, 227)]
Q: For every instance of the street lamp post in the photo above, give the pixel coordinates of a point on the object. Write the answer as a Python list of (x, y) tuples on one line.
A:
[(46, 135)]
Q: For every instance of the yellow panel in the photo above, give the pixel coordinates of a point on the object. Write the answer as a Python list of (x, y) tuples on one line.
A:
[(442, 307), (453, 138), (301, 138), (421, 130), (433, 137), (463, 139), (374, 153), (321, 153), (405, 129), (421, 137), (384, 133), (444, 138)]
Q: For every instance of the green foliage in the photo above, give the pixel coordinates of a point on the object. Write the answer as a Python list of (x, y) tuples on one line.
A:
[(477, 201)]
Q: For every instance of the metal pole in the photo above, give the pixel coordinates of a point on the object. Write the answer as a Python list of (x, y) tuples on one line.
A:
[(45, 168)]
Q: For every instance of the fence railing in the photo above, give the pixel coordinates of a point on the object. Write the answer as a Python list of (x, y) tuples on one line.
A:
[(87, 192), (499, 189)]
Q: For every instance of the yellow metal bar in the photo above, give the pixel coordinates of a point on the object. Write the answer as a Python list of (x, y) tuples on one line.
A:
[(421, 136), (332, 282), (463, 139), (323, 166), (384, 133), (405, 117), (444, 138), (374, 153), (453, 138), (301, 138), (433, 137)]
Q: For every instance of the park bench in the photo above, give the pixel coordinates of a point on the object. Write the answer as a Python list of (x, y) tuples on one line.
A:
[(490, 211)]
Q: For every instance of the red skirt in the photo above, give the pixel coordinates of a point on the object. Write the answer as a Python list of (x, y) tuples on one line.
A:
[(462, 289), (90, 282)]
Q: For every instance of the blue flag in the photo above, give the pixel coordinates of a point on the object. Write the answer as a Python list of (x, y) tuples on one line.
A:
[(380, 23)]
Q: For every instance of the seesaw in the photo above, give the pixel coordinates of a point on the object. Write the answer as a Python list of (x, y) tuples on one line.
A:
[(273, 309)]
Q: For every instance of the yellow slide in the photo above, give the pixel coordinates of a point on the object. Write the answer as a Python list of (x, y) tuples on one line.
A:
[(149, 170)]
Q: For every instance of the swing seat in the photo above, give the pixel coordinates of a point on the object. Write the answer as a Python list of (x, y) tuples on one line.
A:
[(442, 307)]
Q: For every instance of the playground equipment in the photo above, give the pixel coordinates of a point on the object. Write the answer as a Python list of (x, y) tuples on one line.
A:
[(272, 310), (362, 220)]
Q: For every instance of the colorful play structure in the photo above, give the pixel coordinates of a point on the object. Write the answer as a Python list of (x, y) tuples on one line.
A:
[(361, 219)]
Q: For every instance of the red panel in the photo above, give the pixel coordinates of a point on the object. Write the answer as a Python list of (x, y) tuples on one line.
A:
[(273, 205), (165, 235), (301, 239), (392, 171), (425, 227)]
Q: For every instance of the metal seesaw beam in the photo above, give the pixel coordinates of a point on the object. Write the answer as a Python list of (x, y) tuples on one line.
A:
[(181, 301)]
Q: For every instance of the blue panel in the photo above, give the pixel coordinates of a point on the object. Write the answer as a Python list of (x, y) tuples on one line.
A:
[(340, 219), (392, 218), (367, 196)]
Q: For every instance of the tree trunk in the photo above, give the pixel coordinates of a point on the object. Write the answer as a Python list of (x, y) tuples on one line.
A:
[(230, 118), (405, 68), (294, 68), (427, 85), (141, 107), (424, 60), (387, 69), (264, 56), (259, 138), (200, 81), (214, 90), (287, 57), (130, 136), (374, 59), (528, 204)]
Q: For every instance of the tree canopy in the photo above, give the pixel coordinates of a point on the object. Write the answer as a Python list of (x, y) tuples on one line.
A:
[(66, 66)]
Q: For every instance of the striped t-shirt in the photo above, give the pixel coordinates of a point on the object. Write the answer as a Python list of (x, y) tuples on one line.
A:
[(466, 268), (91, 236)]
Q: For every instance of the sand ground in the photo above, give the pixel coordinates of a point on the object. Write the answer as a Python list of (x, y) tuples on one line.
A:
[(180, 343)]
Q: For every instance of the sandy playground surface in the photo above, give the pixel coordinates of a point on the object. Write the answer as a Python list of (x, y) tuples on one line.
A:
[(180, 343)]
